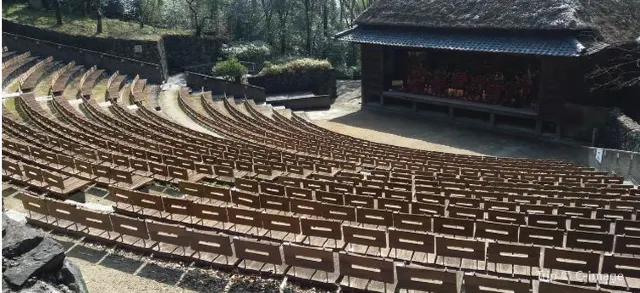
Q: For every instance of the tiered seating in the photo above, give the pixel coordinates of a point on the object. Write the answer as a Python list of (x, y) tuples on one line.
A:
[(7, 55), (276, 194), (88, 81), (62, 77), (16, 66), (114, 85), (30, 79)]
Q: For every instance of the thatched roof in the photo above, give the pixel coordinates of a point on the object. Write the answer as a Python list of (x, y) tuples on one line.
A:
[(613, 21)]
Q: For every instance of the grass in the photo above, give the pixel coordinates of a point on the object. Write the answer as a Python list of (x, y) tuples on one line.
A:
[(83, 25), (100, 90), (10, 104)]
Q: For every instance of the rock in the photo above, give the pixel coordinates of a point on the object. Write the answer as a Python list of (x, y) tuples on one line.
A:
[(4, 224), (5, 287), (16, 216), (19, 238), (71, 276), (48, 256), (41, 287)]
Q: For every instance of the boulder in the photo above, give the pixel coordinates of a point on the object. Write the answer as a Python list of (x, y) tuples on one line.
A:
[(19, 239), (41, 287), (48, 256), (71, 276)]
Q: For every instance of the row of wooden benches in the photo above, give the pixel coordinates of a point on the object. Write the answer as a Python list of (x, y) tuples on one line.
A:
[(17, 66), (193, 113), (583, 234), (202, 246), (235, 113)]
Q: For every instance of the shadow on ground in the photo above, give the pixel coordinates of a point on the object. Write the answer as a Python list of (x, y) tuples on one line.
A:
[(385, 127)]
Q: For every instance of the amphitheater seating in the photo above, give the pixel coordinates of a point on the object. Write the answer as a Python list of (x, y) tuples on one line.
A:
[(275, 194), (62, 77)]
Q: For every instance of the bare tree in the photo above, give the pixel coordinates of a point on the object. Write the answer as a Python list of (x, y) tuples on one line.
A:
[(198, 21), (620, 71)]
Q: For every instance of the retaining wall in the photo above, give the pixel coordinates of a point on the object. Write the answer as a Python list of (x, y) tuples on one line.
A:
[(151, 71), (319, 82), (220, 86)]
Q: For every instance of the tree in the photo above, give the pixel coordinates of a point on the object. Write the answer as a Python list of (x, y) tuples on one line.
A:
[(267, 7), (99, 12), (56, 6), (148, 11), (308, 6), (198, 21), (282, 11), (620, 71)]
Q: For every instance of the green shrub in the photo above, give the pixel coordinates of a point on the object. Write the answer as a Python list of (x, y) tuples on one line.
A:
[(298, 65), (248, 51), (230, 69)]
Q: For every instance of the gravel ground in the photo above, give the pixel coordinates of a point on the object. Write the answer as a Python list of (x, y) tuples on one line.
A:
[(205, 281), (295, 288), (101, 279), (253, 283)]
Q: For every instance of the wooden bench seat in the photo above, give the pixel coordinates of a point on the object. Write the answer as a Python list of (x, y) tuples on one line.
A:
[(35, 74), (89, 83), (63, 79), (113, 92), (16, 68)]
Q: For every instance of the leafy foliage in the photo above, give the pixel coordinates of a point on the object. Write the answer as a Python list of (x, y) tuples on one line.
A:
[(298, 65), (230, 69), (257, 51)]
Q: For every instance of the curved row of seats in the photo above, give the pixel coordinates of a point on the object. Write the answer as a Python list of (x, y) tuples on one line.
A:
[(216, 249)]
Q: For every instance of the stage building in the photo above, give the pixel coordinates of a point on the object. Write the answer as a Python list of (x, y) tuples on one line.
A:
[(511, 64)]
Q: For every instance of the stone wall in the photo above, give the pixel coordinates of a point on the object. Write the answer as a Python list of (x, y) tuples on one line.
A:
[(151, 71), (220, 86), (148, 49), (172, 52), (184, 51), (620, 132), (320, 82)]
